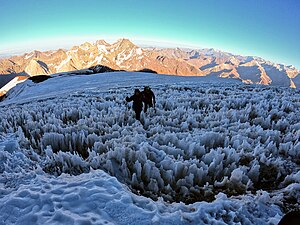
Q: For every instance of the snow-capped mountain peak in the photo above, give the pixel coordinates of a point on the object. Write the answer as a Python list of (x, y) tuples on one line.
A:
[(124, 55)]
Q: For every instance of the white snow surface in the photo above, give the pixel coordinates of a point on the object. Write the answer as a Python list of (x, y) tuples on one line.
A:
[(65, 61), (215, 151), (11, 84), (29, 55)]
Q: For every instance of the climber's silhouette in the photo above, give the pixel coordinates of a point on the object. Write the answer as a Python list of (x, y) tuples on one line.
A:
[(137, 106), (148, 98)]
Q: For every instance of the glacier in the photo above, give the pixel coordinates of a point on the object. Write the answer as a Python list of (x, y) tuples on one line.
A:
[(215, 151)]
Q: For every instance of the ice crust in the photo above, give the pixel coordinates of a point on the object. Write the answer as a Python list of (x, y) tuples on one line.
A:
[(211, 153)]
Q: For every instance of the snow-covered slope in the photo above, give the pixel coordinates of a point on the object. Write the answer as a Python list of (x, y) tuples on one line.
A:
[(11, 84), (71, 152)]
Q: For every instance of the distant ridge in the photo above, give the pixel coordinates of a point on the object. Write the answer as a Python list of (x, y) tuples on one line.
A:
[(125, 55)]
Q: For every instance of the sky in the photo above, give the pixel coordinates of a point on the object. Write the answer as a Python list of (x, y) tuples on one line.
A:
[(265, 28)]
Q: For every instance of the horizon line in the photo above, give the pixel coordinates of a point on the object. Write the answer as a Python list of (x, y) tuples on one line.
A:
[(69, 42)]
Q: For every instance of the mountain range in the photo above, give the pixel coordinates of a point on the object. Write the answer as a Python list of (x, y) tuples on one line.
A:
[(124, 55)]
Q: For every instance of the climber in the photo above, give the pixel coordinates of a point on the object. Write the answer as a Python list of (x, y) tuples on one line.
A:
[(148, 98), (137, 106)]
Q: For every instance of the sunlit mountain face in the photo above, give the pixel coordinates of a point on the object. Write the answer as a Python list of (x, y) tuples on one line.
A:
[(125, 55)]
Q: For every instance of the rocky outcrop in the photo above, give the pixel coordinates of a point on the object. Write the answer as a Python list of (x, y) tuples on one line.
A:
[(101, 69), (36, 67)]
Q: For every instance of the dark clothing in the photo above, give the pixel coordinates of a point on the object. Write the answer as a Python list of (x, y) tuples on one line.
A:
[(148, 96), (137, 105), (291, 218)]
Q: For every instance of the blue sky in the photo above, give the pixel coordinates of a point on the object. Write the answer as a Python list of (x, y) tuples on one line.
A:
[(265, 28)]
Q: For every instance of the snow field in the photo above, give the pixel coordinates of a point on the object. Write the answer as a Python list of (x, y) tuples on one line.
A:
[(214, 152), (200, 142), (97, 198)]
